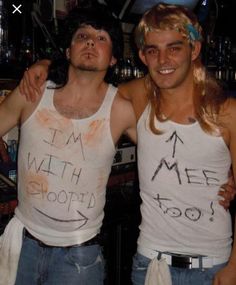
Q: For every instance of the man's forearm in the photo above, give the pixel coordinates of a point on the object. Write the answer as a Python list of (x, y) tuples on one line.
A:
[(232, 259)]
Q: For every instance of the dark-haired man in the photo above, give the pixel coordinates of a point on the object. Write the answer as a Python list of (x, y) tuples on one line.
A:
[(67, 145)]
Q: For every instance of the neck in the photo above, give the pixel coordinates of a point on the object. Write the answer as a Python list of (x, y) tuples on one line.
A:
[(86, 83), (180, 95)]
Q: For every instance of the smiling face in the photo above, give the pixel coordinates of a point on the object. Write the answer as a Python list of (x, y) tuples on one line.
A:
[(90, 50), (169, 58)]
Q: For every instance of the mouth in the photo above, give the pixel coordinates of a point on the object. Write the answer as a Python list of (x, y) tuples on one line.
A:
[(165, 71), (89, 54)]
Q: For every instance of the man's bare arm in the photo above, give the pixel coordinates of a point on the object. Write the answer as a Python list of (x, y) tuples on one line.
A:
[(123, 120), (136, 92), (11, 110), (227, 276), (227, 192)]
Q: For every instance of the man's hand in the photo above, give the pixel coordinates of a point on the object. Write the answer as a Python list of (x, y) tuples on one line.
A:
[(3, 151), (33, 79), (227, 192), (226, 276)]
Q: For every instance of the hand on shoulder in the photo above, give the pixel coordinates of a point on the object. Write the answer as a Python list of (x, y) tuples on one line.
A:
[(33, 79)]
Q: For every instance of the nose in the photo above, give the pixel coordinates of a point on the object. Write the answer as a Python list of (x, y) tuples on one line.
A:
[(90, 43), (162, 56)]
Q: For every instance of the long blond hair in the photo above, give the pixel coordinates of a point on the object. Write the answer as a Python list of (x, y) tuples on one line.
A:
[(209, 93)]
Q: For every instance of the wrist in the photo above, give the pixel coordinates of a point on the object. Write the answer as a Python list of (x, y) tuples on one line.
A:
[(44, 62)]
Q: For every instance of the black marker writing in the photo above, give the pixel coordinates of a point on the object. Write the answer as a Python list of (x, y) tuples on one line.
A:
[(192, 213), (174, 167), (53, 137), (175, 138), (171, 211), (56, 135), (52, 165), (81, 218), (38, 191), (212, 212), (208, 178)]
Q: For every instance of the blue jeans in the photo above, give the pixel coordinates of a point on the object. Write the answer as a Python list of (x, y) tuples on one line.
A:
[(77, 265), (180, 276)]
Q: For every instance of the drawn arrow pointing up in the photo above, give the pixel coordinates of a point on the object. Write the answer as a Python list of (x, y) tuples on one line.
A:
[(175, 138)]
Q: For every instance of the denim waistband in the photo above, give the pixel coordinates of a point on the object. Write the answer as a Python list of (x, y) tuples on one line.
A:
[(93, 241)]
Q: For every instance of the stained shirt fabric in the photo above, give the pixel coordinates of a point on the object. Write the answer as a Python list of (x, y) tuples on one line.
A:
[(63, 169)]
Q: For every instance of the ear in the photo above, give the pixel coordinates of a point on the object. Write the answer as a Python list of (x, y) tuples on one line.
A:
[(196, 49), (113, 61), (142, 57), (68, 53)]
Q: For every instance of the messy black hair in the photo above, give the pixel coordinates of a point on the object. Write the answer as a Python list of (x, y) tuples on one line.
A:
[(99, 17)]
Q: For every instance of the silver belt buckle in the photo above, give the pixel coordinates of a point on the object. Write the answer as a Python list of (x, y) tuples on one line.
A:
[(181, 261)]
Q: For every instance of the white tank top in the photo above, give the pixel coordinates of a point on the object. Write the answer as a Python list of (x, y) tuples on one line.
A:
[(180, 172), (63, 168)]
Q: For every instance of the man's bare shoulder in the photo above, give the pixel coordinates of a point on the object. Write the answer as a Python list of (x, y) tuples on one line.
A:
[(228, 109), (228, 113), (122, 102), (133, 88)]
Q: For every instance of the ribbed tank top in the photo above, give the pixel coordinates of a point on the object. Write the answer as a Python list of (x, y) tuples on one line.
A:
[(180, 173), (63, 168)]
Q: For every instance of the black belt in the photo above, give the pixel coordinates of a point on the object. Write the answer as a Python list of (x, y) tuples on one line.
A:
[(93, 241), (183, 261)]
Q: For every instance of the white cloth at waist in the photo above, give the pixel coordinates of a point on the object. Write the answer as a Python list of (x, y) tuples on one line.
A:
[(207, 262), (10, 248)]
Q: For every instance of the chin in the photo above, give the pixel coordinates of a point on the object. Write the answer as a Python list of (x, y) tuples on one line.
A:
[(87, 68), (164, 85)]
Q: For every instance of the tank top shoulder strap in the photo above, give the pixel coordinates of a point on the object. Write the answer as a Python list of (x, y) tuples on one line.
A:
[(47, 97), (108, 99)]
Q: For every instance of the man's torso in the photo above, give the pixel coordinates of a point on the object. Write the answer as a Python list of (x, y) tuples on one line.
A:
[(63, 169)]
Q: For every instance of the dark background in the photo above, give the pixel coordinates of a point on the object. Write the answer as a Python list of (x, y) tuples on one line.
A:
[(29, 40), (217, 18)]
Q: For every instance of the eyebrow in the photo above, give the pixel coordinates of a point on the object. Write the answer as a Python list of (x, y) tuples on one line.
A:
[(179, 42)]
